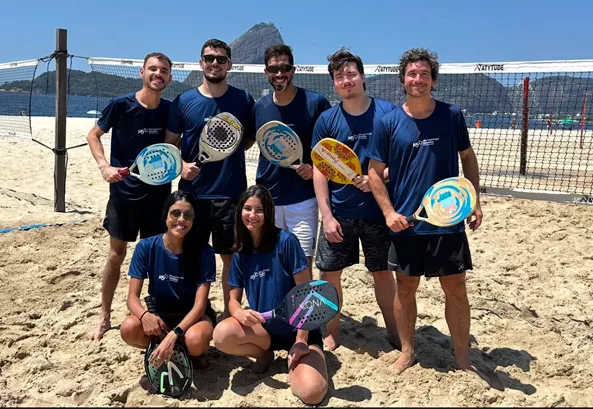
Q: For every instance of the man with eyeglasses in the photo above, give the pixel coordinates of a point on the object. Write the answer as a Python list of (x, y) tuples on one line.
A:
[(216, 185), (349, 212), (293, 193), (136, 120)]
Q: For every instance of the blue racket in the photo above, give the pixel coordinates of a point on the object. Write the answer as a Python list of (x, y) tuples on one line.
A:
[(280, 144), (157, 164)]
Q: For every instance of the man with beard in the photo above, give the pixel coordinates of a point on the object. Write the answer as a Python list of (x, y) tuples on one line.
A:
[(136, 120), (349, 212), (216, 185), (419, 144), (298, 108)]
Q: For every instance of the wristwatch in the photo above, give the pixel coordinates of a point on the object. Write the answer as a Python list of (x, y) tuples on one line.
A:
[(179, 332)]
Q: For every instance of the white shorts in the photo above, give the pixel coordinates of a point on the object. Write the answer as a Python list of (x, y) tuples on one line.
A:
[(302, 219)]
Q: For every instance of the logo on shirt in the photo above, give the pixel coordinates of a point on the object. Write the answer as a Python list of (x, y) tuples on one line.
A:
[(361, 136), (149, 131), (260, 274), (170, 278), (424, 142)]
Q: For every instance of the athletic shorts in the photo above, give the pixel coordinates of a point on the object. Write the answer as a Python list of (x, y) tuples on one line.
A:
[(302, 219), (217, 217), (173, 320), (430, 255), (125, 218), (284, 343), (374, 236)]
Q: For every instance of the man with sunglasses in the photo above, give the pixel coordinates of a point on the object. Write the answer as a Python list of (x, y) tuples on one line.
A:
[(136, 120), (216, 185), (299, 108)]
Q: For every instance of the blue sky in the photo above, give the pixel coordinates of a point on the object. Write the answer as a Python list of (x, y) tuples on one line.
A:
[(377, 30)]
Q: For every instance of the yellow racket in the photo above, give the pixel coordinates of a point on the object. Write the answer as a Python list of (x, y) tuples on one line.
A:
[(336, 161)]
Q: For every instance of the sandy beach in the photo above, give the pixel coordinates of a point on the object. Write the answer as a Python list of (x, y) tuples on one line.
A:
[(531, 294)]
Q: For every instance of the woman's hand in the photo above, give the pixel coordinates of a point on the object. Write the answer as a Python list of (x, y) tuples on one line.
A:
[(164, 351), (248, 318), (298, 350), (152, 324)]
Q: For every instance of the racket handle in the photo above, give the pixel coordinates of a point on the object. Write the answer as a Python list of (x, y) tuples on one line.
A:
[(150, 305), (124, 172), (411, 219), (267, 315)]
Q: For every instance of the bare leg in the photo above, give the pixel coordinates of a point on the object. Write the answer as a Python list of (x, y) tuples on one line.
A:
[(332, 341), (198, 336), (308, 377), (385, 290), (405, 317), (457, 315), (109, 280), (226, 288)]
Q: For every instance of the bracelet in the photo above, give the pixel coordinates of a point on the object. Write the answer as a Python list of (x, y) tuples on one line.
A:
[(145, 311)]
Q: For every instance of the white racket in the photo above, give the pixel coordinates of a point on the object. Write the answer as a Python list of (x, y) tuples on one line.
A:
[(157, 164), (219, 139), (280, 144)]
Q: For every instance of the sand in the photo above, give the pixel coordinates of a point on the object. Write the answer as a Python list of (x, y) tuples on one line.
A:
[(530, 292)]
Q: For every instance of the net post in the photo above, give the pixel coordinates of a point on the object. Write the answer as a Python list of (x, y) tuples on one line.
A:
[(60, 142), (524, 127), (583, 118)]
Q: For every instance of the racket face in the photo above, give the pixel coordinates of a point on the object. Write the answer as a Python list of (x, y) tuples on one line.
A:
[(279, 144), (336, 161), (220, 137), (173, 378), (158, 164), (310, 305), (449, 201)]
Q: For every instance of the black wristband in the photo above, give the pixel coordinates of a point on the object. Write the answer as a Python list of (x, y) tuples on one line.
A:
[(145, 311)]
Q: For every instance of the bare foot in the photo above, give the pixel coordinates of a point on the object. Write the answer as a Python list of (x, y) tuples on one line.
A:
[(104, 325), (331, 342), (404, 362), (262, 364)]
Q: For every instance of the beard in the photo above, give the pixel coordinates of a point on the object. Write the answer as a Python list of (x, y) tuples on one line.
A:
[(214, 79), (280, 87)]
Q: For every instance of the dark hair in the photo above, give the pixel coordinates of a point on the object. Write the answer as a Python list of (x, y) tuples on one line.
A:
[(415, 55), (277, 50), (216, 43), (269, 237), (192, 242), (158, 56), (342, 57)]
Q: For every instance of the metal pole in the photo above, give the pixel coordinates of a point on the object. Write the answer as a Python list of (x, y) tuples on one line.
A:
[(60, 145), (524, 127)]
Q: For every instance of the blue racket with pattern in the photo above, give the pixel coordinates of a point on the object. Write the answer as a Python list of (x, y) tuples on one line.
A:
[(280, 144), (309, 305), (447, 202), (157, 164)]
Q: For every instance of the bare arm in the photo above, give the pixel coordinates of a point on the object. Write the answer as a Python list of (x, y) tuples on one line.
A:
[(331, 227), (471, 171), (151, 323), (246, 317), (189, 170), (395, 221), (109, 173), (172, 138)]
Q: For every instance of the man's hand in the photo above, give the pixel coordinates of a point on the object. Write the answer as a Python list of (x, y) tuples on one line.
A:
[(111, 174), (333, 230), (305, 171), (362, 182), (189, 171), (396, 222), (474, 221)]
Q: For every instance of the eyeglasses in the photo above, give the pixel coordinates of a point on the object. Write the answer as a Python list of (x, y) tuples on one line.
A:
[(275, 69), (209, 59), (176, 214)]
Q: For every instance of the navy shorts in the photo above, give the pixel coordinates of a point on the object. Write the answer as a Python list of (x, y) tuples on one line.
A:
[(430, 255), (217, 217), (173, 320), (125, 218), (284, 343), (374, 236)]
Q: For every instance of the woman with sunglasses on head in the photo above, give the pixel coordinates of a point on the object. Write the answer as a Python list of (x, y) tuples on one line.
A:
[(179, 267), (267, 264)]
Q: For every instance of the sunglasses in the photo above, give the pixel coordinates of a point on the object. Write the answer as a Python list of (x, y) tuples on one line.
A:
[(275, 69), (176, 214), (221, 59)]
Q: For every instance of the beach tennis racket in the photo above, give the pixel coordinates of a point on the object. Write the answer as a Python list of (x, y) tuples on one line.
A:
[(336, 161), (309, 305), (173, 378), (447, 202), (280, 144), (219, 139), (157, 164)]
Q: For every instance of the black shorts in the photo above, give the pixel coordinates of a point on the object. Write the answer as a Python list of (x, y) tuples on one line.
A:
[(374, 236), (284, 343), (173, 320), (217, 216), (125, 218), (430, 255)]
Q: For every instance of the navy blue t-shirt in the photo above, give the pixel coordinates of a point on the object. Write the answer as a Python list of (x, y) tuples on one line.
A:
[(356, 132), (133, 129), (189, 113), (419, 153), (173, 288), (268, 276), (285, 185)]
